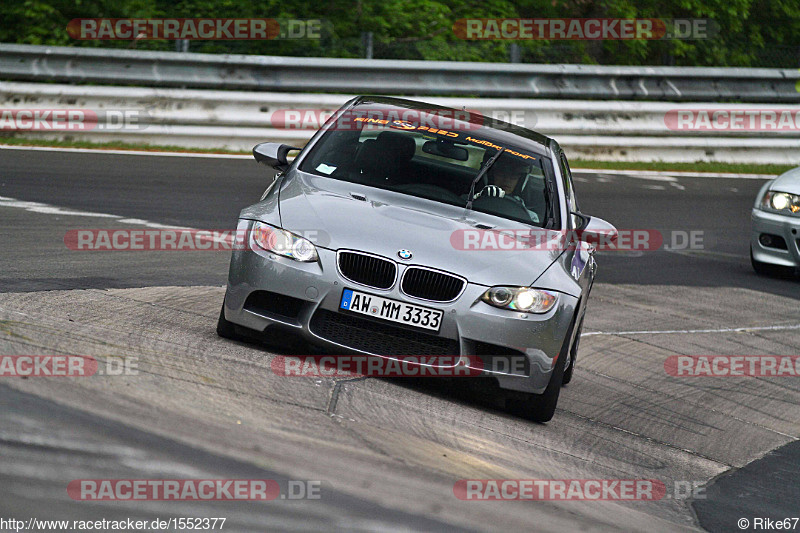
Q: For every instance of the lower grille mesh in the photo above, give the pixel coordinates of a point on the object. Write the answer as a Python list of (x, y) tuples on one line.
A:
[(375, 337)]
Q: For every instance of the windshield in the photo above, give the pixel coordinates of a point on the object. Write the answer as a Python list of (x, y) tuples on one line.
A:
[(420, 157)]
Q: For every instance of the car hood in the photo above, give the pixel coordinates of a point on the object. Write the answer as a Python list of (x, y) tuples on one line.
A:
[(787, 182), (325, 210)]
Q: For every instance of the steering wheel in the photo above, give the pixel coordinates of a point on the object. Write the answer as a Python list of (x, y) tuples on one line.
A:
[(504, 207)]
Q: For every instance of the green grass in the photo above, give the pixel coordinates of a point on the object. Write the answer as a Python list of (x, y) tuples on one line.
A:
[(736, 168)]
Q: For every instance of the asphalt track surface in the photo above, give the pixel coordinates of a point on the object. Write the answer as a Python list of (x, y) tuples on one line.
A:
[(386, 452)]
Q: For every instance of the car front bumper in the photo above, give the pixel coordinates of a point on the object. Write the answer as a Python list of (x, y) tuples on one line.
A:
[(517, 349), (784, 226)]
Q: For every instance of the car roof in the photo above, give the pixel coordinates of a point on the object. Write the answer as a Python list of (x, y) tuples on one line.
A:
[(501, 128)]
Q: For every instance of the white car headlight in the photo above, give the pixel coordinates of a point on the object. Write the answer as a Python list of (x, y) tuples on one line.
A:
[(781, 201), (520, 299), (283, 243)]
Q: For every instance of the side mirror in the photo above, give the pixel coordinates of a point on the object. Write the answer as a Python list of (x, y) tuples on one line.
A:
[(273, 154), (594, 229)]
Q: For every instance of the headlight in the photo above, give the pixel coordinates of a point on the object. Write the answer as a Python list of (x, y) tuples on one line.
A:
[(781, 201), (520, 299), (283, 243)]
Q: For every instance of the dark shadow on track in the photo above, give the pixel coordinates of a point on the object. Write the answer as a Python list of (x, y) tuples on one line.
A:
[(768, 488)]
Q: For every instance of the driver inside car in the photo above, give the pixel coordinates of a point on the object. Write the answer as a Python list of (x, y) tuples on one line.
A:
[(508, 178)]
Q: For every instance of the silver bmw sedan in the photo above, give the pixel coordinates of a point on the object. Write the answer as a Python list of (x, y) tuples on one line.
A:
[(407, 229)]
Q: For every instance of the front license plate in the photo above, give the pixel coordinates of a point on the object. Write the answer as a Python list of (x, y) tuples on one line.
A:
[(391, 310)]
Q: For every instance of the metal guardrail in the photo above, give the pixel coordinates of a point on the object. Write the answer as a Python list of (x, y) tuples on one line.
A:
[(617, 130), (298, 74)]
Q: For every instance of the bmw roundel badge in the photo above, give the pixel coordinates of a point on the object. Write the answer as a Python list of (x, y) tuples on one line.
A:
[(404, 254)]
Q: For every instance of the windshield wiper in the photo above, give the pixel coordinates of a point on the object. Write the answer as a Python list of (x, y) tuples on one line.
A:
[(482, 172)]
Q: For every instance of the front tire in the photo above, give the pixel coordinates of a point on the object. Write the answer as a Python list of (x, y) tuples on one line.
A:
[(542, 407), (762, 269), (766, 269)]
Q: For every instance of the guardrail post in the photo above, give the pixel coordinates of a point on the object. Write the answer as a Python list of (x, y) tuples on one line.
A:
[(366, 38), (182, 45)]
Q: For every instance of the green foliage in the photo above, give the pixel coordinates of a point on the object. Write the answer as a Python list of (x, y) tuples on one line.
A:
[(751, 32)]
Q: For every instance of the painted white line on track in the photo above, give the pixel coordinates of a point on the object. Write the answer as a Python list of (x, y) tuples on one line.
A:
[(670, 331), (648, 177), (38, 207), (47, 209), (675, 174)]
